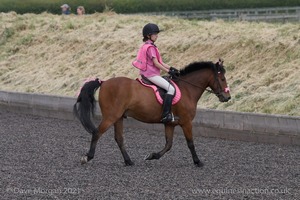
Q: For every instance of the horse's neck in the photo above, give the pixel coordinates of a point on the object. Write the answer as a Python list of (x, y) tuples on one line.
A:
[(198, 83)]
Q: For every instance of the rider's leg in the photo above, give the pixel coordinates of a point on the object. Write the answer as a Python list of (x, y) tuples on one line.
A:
[(167, 115)]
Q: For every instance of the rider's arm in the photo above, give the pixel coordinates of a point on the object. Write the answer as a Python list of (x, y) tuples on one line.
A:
[(162, 66)]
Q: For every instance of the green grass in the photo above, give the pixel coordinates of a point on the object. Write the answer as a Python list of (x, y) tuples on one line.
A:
[(134, 6), (26, 40), (70, 25), (6, 34)]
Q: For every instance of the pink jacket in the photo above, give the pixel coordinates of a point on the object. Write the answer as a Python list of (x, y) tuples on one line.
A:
[(141, 63)]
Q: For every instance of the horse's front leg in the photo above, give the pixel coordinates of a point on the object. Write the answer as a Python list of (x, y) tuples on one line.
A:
[(120, 141), (169, 132), (187, 129)]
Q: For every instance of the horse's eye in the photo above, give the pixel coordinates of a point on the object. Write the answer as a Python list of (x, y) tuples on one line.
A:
[(221, 77)]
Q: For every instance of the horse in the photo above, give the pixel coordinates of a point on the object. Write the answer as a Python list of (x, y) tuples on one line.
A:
[(122, 97)]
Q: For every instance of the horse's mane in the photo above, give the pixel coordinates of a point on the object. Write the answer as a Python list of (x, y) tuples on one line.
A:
[(195, 66)]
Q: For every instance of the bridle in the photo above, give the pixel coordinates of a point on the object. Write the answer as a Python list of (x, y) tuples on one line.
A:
[(193, 84), (219, 90)]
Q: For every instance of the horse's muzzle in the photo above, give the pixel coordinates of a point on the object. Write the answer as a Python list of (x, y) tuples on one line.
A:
[(227, 99), (224, 97)]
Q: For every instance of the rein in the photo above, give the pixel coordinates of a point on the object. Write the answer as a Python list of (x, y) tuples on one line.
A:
[(216, 72), (210, 91)]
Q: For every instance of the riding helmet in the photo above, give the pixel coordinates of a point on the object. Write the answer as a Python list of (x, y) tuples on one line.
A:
[(150, 29)]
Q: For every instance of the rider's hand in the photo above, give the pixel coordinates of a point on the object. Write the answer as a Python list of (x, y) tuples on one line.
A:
[(173, 71)]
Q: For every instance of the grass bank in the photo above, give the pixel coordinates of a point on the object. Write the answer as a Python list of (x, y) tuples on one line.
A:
[(53, 54)]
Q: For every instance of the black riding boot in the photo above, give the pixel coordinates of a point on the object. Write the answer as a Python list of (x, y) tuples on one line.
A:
[(167, 115)]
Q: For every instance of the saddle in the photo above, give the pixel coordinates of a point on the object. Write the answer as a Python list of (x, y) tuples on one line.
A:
[(160, 92)]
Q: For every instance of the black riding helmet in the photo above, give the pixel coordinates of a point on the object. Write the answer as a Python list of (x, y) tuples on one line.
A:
[(150, 29)]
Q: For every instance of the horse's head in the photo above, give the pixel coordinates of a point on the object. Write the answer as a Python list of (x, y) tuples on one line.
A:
[(208, 75), (219, 85)]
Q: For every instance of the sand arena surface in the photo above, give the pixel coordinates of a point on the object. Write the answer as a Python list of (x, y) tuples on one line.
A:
[(40, 159)]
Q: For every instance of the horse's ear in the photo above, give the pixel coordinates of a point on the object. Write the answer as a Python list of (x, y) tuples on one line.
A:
[(221, 61)]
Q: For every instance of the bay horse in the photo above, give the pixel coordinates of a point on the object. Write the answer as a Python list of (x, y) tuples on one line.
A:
[(120, 97)]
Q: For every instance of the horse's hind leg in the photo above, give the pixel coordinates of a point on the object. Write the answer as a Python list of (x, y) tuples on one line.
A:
[(187, 129), (120, 141), (169, 131), (104, 125)]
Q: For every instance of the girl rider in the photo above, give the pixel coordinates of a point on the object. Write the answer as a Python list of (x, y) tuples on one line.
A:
[(150, 63)]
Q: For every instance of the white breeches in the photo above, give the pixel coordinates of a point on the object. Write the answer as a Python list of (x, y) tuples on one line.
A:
[(161, 82)]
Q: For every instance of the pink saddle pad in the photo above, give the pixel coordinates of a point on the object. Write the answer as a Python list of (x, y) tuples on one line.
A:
[(157, 94)]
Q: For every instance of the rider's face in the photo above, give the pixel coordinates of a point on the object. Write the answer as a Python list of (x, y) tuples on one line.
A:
[(154, 37)]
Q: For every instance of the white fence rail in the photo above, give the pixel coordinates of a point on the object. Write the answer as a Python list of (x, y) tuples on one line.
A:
[(258, 14)]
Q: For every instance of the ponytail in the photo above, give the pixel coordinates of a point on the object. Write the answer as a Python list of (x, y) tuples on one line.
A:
[(145, 39)]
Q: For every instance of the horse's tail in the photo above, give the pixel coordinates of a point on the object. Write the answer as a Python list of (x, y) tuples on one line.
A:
[(84, 107)]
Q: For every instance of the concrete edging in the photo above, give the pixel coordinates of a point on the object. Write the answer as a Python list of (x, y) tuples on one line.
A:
[(278, 129)]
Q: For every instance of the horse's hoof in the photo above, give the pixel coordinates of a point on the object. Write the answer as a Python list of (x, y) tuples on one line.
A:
[(84, 160), (199, 164), (152, 156), (149, 156), (129, 163)]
